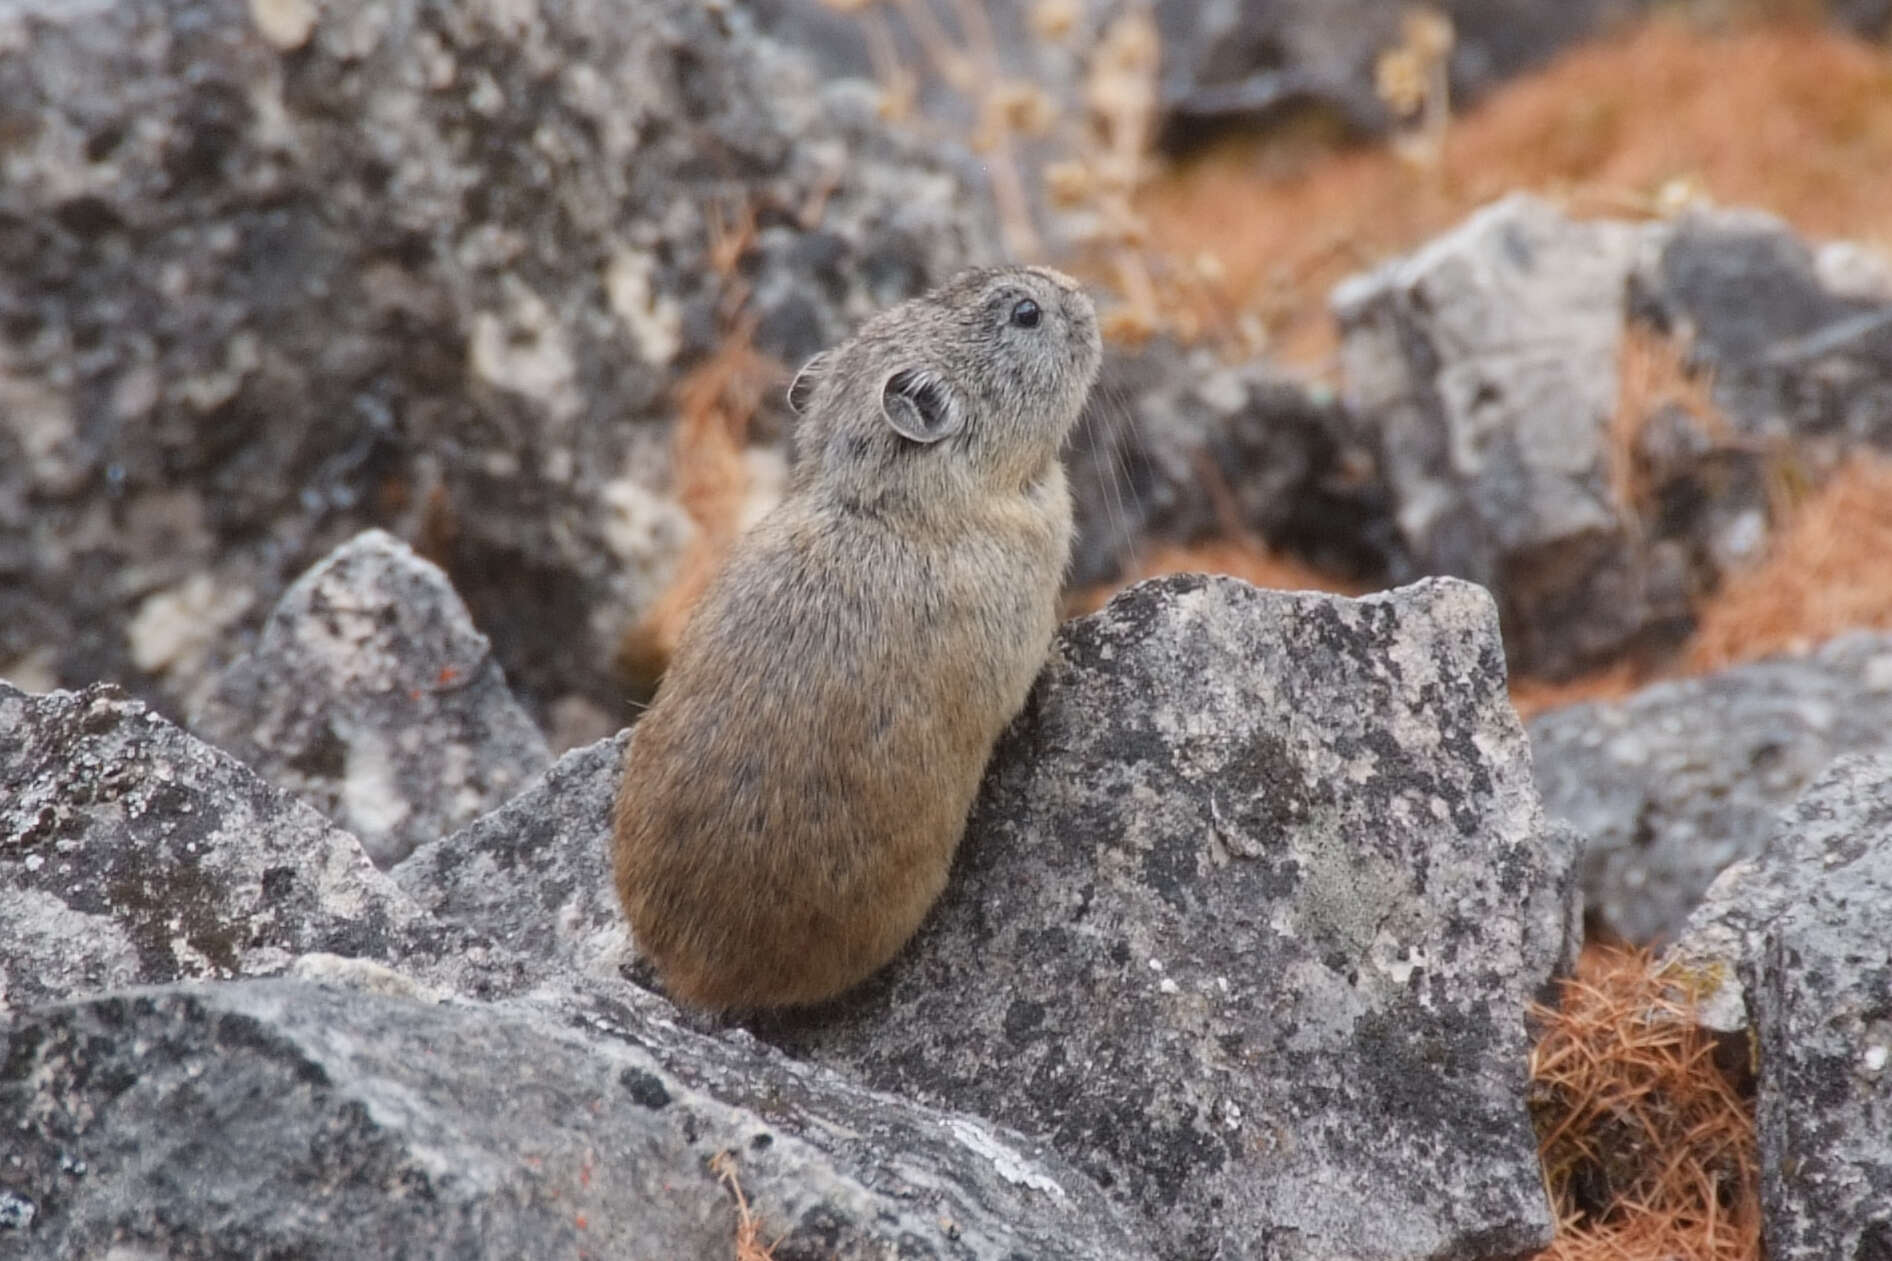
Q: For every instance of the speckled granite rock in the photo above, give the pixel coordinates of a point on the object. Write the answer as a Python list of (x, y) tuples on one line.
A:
[(274, 272), (536, 874), (131, 853), (1793, 943), (272, 1118), (1245, 922), (1686, 777), (370, 695)]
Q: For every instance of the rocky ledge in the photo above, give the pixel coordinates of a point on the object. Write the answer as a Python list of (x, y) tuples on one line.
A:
[(1243, 932)]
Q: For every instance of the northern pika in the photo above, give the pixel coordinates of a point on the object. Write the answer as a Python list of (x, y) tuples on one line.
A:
[(792, 799)]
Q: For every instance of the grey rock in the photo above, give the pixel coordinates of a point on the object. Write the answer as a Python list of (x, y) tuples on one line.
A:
[(1825, 1027), (1792, 944), (370, 695), (130, 852), (1245, 923), (535, 875), (1689, 776), (1792, 355), (1177, 446), (276, 1118), (1486, 361), (274, 273)]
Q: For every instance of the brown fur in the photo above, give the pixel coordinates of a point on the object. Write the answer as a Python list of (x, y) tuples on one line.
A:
[(792, 799)]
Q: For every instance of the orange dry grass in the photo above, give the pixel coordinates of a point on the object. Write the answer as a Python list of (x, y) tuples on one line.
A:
[(715, 402), (1829, 570), (1647, 1144), (1798, 121), (1245, 559), (749, 1245)]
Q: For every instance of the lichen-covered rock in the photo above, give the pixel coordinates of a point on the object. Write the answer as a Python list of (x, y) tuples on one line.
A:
[(131, 853), (275, 272), (1245, 922), (1793, 943), (1686, 777), (277, 1118), (535, 875), (1486, 361), (371, 696)]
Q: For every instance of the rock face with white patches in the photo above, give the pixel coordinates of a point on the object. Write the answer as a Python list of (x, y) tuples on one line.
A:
[(371, 696), (1246, 921), (275, 272), (533, 1112)]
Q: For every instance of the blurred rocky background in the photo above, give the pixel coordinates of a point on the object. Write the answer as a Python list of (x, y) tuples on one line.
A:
[(380, 380)]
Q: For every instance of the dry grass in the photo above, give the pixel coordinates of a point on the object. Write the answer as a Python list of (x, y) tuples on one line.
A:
[(749, 1245), (715, 403), (1829, 570), (1647, 1142), (1794, 120)]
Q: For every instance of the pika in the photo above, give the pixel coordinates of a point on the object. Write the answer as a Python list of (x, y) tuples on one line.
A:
[(792, 799)]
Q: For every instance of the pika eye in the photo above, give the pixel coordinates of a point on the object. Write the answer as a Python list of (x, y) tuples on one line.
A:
[(1026, 314)]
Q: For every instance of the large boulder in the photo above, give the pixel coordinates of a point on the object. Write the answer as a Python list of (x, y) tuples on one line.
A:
[(1254, 877), (273, 272), (371, 696), (1246, 922), (1486, 361), (277, 1118), (398, 1105), (1686, 777), (1488, 368), (1792, 944)]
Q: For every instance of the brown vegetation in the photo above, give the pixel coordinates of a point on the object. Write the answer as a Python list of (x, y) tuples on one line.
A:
[(1794, 120), (1828, 570), (1645, 1130)]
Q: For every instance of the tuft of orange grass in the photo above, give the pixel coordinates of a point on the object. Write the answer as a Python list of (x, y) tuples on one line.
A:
[(1792, 119), (1829, 570), (1647, 1143), (715, 402), (1244, 558), (749, 1245)]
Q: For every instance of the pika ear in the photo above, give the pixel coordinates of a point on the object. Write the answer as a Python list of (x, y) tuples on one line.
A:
[(802, 389), (921, 406)]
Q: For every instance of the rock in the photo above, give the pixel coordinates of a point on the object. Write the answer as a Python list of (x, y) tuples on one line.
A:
[(1178, 447), (370, 695), (1245, 922), (277, 1118), (1793, 941), (272, 273), (535, 875), (132, 853), (1486, 361), (1793, 354), (1686, 777)]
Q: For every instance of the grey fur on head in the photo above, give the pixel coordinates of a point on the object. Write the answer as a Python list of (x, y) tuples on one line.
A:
[(971, 385)]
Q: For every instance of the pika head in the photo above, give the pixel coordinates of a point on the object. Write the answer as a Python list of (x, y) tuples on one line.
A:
[(970, 387)]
